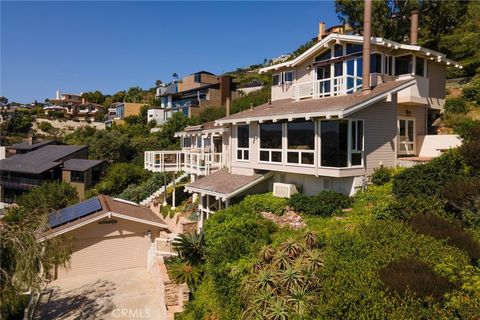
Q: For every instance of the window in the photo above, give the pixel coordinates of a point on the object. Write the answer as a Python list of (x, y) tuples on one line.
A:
[(337, 50), (376, 63), (357, 143), (77, 176), (301, 142), (187, 142), (334, 143), (324, 56), (403, 65), (389, 65), (197, 78), (354, 48), (271, 142), (276, 79), (288, 76), (199, 142), (242, 142), (420, 66)]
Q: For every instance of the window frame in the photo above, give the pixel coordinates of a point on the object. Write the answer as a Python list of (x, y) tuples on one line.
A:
[(353, 147), (395, 64), (282, 76), (271, 150), (406, 143), (245, 151), (77, 173), (300, 152)]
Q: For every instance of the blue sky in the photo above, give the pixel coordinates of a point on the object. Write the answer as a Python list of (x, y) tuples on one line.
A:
[(111, 46)]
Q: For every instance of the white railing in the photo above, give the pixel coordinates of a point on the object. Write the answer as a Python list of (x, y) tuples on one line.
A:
[(190, 162), (164, 247), (334, 86)]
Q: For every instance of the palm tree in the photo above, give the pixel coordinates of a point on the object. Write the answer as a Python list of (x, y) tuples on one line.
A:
[(190, 247), (184, 272)]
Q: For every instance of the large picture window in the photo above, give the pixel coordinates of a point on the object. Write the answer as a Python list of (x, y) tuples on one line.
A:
[(77, 176), (243, 142), (419, 66), (403, 65), (301, 142), (271, 142), (334, 143)]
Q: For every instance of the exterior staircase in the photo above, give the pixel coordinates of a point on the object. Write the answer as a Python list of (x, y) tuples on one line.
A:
[(161, 191)]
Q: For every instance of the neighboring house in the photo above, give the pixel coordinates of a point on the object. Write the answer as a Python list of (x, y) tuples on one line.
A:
[(27, 146), (157, 115), (108, 234), (194, 92), (333, 118), (119, 110), (74, 105), (24, 171)]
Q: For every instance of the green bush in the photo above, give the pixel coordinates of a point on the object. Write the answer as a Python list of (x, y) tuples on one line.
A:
[(463, 200), (470, 151), (325, 203), (139, 192), (266, 202), (381, 176), (440, 228), (468, 130), (119, 176), (411, 275), (408, 206), (429, 179), (456, 105), (472, 91)]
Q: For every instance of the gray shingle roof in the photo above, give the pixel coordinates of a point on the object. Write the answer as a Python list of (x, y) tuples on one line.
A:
[(80, 164), (27, 146), (39, 160)]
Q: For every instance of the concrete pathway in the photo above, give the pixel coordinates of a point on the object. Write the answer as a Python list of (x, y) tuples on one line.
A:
[(124, 294)]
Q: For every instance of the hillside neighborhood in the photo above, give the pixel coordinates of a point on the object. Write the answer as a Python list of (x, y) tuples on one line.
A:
[(339, 181)]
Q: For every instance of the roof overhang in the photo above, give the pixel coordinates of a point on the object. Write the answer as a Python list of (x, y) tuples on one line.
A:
[(225, 196), (320, 114), (52, 233), (335, 37), (213, 131)]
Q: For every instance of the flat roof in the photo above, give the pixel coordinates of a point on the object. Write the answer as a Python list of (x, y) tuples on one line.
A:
[(329, 106), (80, 164), (40, 160)]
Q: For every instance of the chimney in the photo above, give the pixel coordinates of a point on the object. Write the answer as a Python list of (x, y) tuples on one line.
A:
[(83, 100), (227, 107), (57, 95), (321, 30), (414, 27), (32, 139), (367, 33)]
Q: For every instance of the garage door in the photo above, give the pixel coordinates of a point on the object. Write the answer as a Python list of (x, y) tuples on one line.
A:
[(106, 254)]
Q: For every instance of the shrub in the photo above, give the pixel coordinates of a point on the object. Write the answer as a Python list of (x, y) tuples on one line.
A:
[(456, 105), (266, 202), (45, 126), (440, 228), (411, 275), (325, 203), (463, 199), (468, 130), (470, 151), (472, 91), (429, 179), (381, 176), (409, 206)]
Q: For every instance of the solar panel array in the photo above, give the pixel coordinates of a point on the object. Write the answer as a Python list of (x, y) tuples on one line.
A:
[(74, 212)]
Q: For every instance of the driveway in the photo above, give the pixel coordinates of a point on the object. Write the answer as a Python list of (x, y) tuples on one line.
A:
[(124, 294)]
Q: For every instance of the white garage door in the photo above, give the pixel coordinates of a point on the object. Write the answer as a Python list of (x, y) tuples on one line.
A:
[(106, 254)]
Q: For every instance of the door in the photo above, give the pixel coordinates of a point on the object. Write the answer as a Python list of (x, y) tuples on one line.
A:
[(323, 74), (406, 136)]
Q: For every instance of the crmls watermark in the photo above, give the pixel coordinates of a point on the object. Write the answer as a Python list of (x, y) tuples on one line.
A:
[(125, 313)]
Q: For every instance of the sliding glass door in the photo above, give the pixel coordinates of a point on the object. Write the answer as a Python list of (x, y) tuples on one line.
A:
[(406, 136)]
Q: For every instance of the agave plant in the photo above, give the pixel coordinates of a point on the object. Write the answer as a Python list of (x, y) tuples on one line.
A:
[(266, 253), (315, 258), (292, 248), (190, 247), (301, 300), (290, 277), (277, 310), (311, 240), (282, 259)]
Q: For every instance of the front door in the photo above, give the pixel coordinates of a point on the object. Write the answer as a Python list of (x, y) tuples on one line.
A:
[(406, 136)]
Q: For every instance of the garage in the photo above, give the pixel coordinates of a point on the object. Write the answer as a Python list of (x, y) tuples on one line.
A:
[(107, 234)]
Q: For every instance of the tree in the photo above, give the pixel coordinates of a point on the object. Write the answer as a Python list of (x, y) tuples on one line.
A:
[(176, 123), (134, 94), (119, 176), (211, 114), (190, 247), (94, 97), (3, 100)]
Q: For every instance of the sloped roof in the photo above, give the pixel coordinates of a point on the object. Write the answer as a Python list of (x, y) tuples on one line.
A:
[(80, 164), (330, 106), (27, 146), (115, 207), (39, 160)]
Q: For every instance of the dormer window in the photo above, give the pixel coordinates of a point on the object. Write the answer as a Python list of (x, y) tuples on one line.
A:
[(198, 78)]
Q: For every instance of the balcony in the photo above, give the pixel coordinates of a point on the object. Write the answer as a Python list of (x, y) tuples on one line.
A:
[(329, 87), (198, 163)]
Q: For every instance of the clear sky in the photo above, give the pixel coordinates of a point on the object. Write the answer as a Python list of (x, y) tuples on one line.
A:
[(111, 46)]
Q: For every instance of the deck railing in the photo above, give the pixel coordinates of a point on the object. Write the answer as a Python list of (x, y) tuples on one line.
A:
[(329, 87), (191, 162)]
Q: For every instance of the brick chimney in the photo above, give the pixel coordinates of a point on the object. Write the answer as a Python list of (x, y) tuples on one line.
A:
[(227, 106), (367, 33), (414, 27)]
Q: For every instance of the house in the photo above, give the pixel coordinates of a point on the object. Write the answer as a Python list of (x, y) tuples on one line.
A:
[(108, 234), (24, 171), (119, 110), (31, 144), (344, 107), (74, 105), (194, 92), (157, 115)]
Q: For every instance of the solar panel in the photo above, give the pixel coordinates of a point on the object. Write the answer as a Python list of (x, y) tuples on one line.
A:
[(74, 212)]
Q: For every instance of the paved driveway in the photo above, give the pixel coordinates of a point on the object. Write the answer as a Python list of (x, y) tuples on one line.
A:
[(125, 294)]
